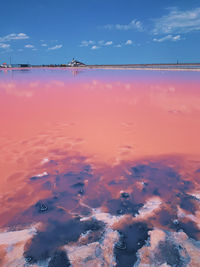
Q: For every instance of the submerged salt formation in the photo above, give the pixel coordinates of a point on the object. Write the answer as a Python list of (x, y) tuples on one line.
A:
[(148, 217), (169, 249)]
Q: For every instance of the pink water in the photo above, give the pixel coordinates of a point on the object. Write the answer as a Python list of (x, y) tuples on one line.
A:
[(84, 151)]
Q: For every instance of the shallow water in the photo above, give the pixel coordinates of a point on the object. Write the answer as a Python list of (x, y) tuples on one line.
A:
[(99, 167)]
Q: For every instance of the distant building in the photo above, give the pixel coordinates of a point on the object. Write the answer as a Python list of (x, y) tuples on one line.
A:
[(4, 65), (75, 63)]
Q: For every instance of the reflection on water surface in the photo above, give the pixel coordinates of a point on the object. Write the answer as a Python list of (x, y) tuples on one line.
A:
[(99, 168)]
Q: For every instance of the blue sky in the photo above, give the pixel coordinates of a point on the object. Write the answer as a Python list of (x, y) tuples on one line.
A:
[(99, 31)]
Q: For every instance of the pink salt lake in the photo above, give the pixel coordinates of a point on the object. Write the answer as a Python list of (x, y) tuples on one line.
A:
[(99, 167)]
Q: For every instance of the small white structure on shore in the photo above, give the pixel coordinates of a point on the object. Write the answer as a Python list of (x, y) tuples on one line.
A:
[(4, 65), (75, 63)]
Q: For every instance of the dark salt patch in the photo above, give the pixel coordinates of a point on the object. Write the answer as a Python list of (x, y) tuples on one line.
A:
[(169, 253), (123, 206), (187, 203), (125, 258), (118, 182), (35, 178), (77, 185), (81, 192), (121, 243), (46, 185), (72, 182), (86, 174), (113, 183), (59, 259), (47, 205), (125, 195), (166, 218), (67, 180), (171, 173), (41, 207), (187, 183), (92, 225), (54, 208), (87, 168), (57, 234), (155, 171), (65, 199), (156, 192), (94, 202), (28, 259), (57, 179), (161, 180), (97, 194), (189, 227), (79, 175), (132, 238), (138, 170), (77, 188), (81, 210)]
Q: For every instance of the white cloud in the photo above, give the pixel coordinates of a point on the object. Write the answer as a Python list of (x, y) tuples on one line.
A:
[(94, 47), (14, 36), (108, 43), (43, 44), (101, 42), (133, 25), (178, 22), (176, 38), (34, 49), (169, 37), (4, 46), (29, 46), (87, 43), (55, 47), (93, 44), (118, 45), (128, 42)]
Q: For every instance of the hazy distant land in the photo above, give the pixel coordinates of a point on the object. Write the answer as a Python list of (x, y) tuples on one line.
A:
[(171, 66)]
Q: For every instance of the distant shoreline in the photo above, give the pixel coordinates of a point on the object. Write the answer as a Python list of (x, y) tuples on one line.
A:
[(163, 66), (195, 67)]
